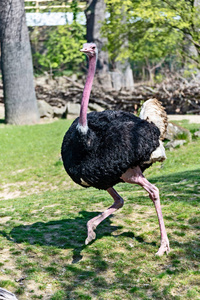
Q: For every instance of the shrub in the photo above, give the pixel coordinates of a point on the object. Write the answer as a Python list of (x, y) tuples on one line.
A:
[(60, 53)]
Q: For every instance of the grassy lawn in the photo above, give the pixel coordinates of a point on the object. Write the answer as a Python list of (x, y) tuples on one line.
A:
[(43, 225)]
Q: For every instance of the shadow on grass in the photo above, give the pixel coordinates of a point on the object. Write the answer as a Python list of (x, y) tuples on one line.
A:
[(71, 233), (2, 121), (138, 238), (64, 234), (179, 177)]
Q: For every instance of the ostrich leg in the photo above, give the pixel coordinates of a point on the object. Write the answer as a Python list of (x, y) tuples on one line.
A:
[(93, 223), (135, 176)]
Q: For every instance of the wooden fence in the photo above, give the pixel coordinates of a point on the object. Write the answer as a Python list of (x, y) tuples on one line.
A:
[(40, 5)]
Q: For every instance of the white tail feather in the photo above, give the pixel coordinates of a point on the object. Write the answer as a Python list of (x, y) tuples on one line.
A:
[(153, 111), (158, 154)]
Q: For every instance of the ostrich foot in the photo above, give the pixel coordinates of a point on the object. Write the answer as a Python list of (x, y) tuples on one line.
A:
[(91, 234), (163, 248), (93, 223)]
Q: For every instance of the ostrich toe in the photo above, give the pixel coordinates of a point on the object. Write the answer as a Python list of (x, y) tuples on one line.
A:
[(91, 236), (163, 248)]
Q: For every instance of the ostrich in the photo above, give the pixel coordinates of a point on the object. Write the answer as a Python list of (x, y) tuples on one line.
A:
[(101, 149)]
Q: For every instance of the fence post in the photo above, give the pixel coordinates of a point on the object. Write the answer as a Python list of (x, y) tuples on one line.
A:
[(37, 6)]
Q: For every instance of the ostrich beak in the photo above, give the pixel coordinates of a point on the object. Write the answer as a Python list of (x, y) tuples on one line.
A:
[(84, 50)]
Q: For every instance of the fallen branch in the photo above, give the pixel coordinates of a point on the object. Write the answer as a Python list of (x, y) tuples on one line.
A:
[(74, 82)]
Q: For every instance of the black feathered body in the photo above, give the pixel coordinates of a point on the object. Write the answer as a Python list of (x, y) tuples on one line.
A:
[(115, 141)]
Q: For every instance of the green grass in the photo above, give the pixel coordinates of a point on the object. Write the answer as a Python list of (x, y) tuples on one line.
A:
[(43, 225)]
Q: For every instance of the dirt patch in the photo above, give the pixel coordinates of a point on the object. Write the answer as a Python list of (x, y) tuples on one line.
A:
[(23, 188), (8, 191), (190, 118), (18, 171), (5, 195), (8, 267), (5, 219)]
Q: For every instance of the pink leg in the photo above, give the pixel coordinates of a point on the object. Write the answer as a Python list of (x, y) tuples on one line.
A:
[(135, 176), (93, 223)]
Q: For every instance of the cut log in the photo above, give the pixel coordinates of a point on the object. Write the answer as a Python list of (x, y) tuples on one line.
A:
[(6, 295)]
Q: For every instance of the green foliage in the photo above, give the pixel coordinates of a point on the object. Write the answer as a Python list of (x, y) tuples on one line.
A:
[(136, 22), (152, 31), (62, 46)]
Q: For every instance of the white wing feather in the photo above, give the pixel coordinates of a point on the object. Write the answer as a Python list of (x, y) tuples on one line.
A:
[(153, 111)]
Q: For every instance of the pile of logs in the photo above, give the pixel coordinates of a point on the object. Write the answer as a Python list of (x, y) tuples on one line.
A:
[(177, 95)]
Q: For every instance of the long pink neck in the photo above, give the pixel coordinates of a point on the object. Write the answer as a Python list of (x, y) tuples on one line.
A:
[(86, 92)]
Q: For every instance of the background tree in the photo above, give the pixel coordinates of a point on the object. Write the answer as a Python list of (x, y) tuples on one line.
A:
[(156, 31), (16, 63), (95, 15)]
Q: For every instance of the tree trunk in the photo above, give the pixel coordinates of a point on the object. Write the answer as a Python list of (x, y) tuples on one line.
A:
[(95, 14), (16, 63), (124, 68)]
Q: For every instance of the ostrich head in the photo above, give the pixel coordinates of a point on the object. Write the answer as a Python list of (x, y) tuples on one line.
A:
[(90, 49)]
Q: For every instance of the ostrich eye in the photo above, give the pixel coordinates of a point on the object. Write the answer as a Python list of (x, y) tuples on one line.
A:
[(93, 47)]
